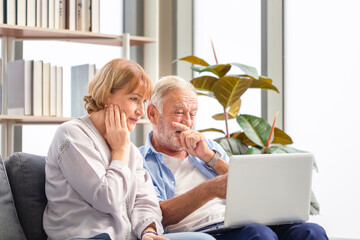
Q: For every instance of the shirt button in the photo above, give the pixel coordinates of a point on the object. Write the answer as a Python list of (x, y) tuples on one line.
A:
[(172, 182)]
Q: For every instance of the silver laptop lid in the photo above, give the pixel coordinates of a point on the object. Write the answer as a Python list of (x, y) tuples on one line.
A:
[(268, 189)]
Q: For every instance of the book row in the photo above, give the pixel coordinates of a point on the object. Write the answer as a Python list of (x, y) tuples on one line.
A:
[(76, 15), (34, 88)]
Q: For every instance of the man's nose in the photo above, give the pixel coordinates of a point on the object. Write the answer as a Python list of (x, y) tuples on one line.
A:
[(186, 120)]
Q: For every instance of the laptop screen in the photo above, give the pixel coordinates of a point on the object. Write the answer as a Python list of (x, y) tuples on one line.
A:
[(268, 189)]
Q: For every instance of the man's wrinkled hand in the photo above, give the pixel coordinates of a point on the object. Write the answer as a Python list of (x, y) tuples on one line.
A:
[(193, 142)]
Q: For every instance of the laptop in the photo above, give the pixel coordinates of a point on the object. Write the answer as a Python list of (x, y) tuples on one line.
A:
[(268, 189)]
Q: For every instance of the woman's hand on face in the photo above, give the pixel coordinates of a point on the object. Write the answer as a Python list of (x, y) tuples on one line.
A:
[(117, 134)]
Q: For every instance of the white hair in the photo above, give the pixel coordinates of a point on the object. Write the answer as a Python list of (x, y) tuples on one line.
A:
[(166, 85)]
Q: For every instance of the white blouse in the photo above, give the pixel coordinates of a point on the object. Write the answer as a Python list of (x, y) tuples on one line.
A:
[(89, 194)]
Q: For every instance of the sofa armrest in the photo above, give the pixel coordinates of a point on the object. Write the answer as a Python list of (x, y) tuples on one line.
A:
[(26, 174), (9, 223)]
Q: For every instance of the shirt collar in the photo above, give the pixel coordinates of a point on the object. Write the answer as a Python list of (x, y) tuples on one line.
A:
[(149, 148)]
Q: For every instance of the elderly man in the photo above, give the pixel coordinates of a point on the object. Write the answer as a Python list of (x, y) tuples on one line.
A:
[(189, 172)]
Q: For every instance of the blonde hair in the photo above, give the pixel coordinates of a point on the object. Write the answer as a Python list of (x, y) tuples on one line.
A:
[(115, 75), (166, 85)]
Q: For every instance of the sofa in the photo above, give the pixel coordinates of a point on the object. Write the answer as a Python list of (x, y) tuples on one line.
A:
[(22, 197)]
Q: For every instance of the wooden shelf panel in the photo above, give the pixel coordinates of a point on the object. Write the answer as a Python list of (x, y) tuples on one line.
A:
[(32, 119), (36, 33), (44, 120)]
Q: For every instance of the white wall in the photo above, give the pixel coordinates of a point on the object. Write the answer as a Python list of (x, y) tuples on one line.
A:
[(322, 82)]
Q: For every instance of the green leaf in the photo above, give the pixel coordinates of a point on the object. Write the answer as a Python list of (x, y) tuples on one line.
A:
[(195, 60), (263, 85), (207, 94), (255, 128), (248, 70), (234, 108), (212, 130), (232, 146), (232, 113), (280, 137), (314, 205), (220, 116), (254, 150), (242, 137), (282, 149), (204, 83), (219, 69), (265, 79), (228, 90)]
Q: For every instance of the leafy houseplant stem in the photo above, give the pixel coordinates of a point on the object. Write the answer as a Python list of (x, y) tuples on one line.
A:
[(225, 113), (226, 123)]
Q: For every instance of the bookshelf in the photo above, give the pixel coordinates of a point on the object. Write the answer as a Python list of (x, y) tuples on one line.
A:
[(20, 33), (41, 120), (11, 33)]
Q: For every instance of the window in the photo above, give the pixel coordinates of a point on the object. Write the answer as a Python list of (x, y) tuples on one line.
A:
[(234, 27), (322, 49)]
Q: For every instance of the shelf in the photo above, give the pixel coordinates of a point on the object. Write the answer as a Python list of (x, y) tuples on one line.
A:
[(32, 119), (43, 120), (37, 33)]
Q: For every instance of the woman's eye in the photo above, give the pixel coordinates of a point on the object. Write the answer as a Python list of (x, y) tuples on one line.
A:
[(179, 112), (133, 99)]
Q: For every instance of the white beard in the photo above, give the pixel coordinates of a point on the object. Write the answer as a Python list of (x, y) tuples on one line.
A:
[(166, 135)]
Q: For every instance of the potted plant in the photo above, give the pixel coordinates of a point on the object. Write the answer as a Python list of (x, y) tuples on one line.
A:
[(257, 134), (228, 89)]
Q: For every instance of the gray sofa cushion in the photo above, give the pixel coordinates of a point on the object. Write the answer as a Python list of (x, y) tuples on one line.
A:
[(26, 173), (9, 224)]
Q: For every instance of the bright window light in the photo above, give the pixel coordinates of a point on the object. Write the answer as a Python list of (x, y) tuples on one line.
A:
[(322, 49), (234, 27)]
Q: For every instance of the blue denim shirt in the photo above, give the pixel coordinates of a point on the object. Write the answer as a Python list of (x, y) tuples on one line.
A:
[(162, 177)]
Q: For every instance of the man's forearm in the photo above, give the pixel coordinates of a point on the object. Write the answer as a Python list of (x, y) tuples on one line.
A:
[(177, 208)]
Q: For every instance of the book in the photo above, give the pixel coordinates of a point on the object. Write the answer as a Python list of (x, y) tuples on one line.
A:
[(46, 89), (80, 77), (71, 14), (44, 13), (85, 15), (37, 88), (59, 91), (31, 13), (19, 87), (21, 13), (2, 9), (51, 14), (10, 12), (78, 21), (53, 91), (29, 82), (95, 16), (38, 14), (1, 87), (60, 14)]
